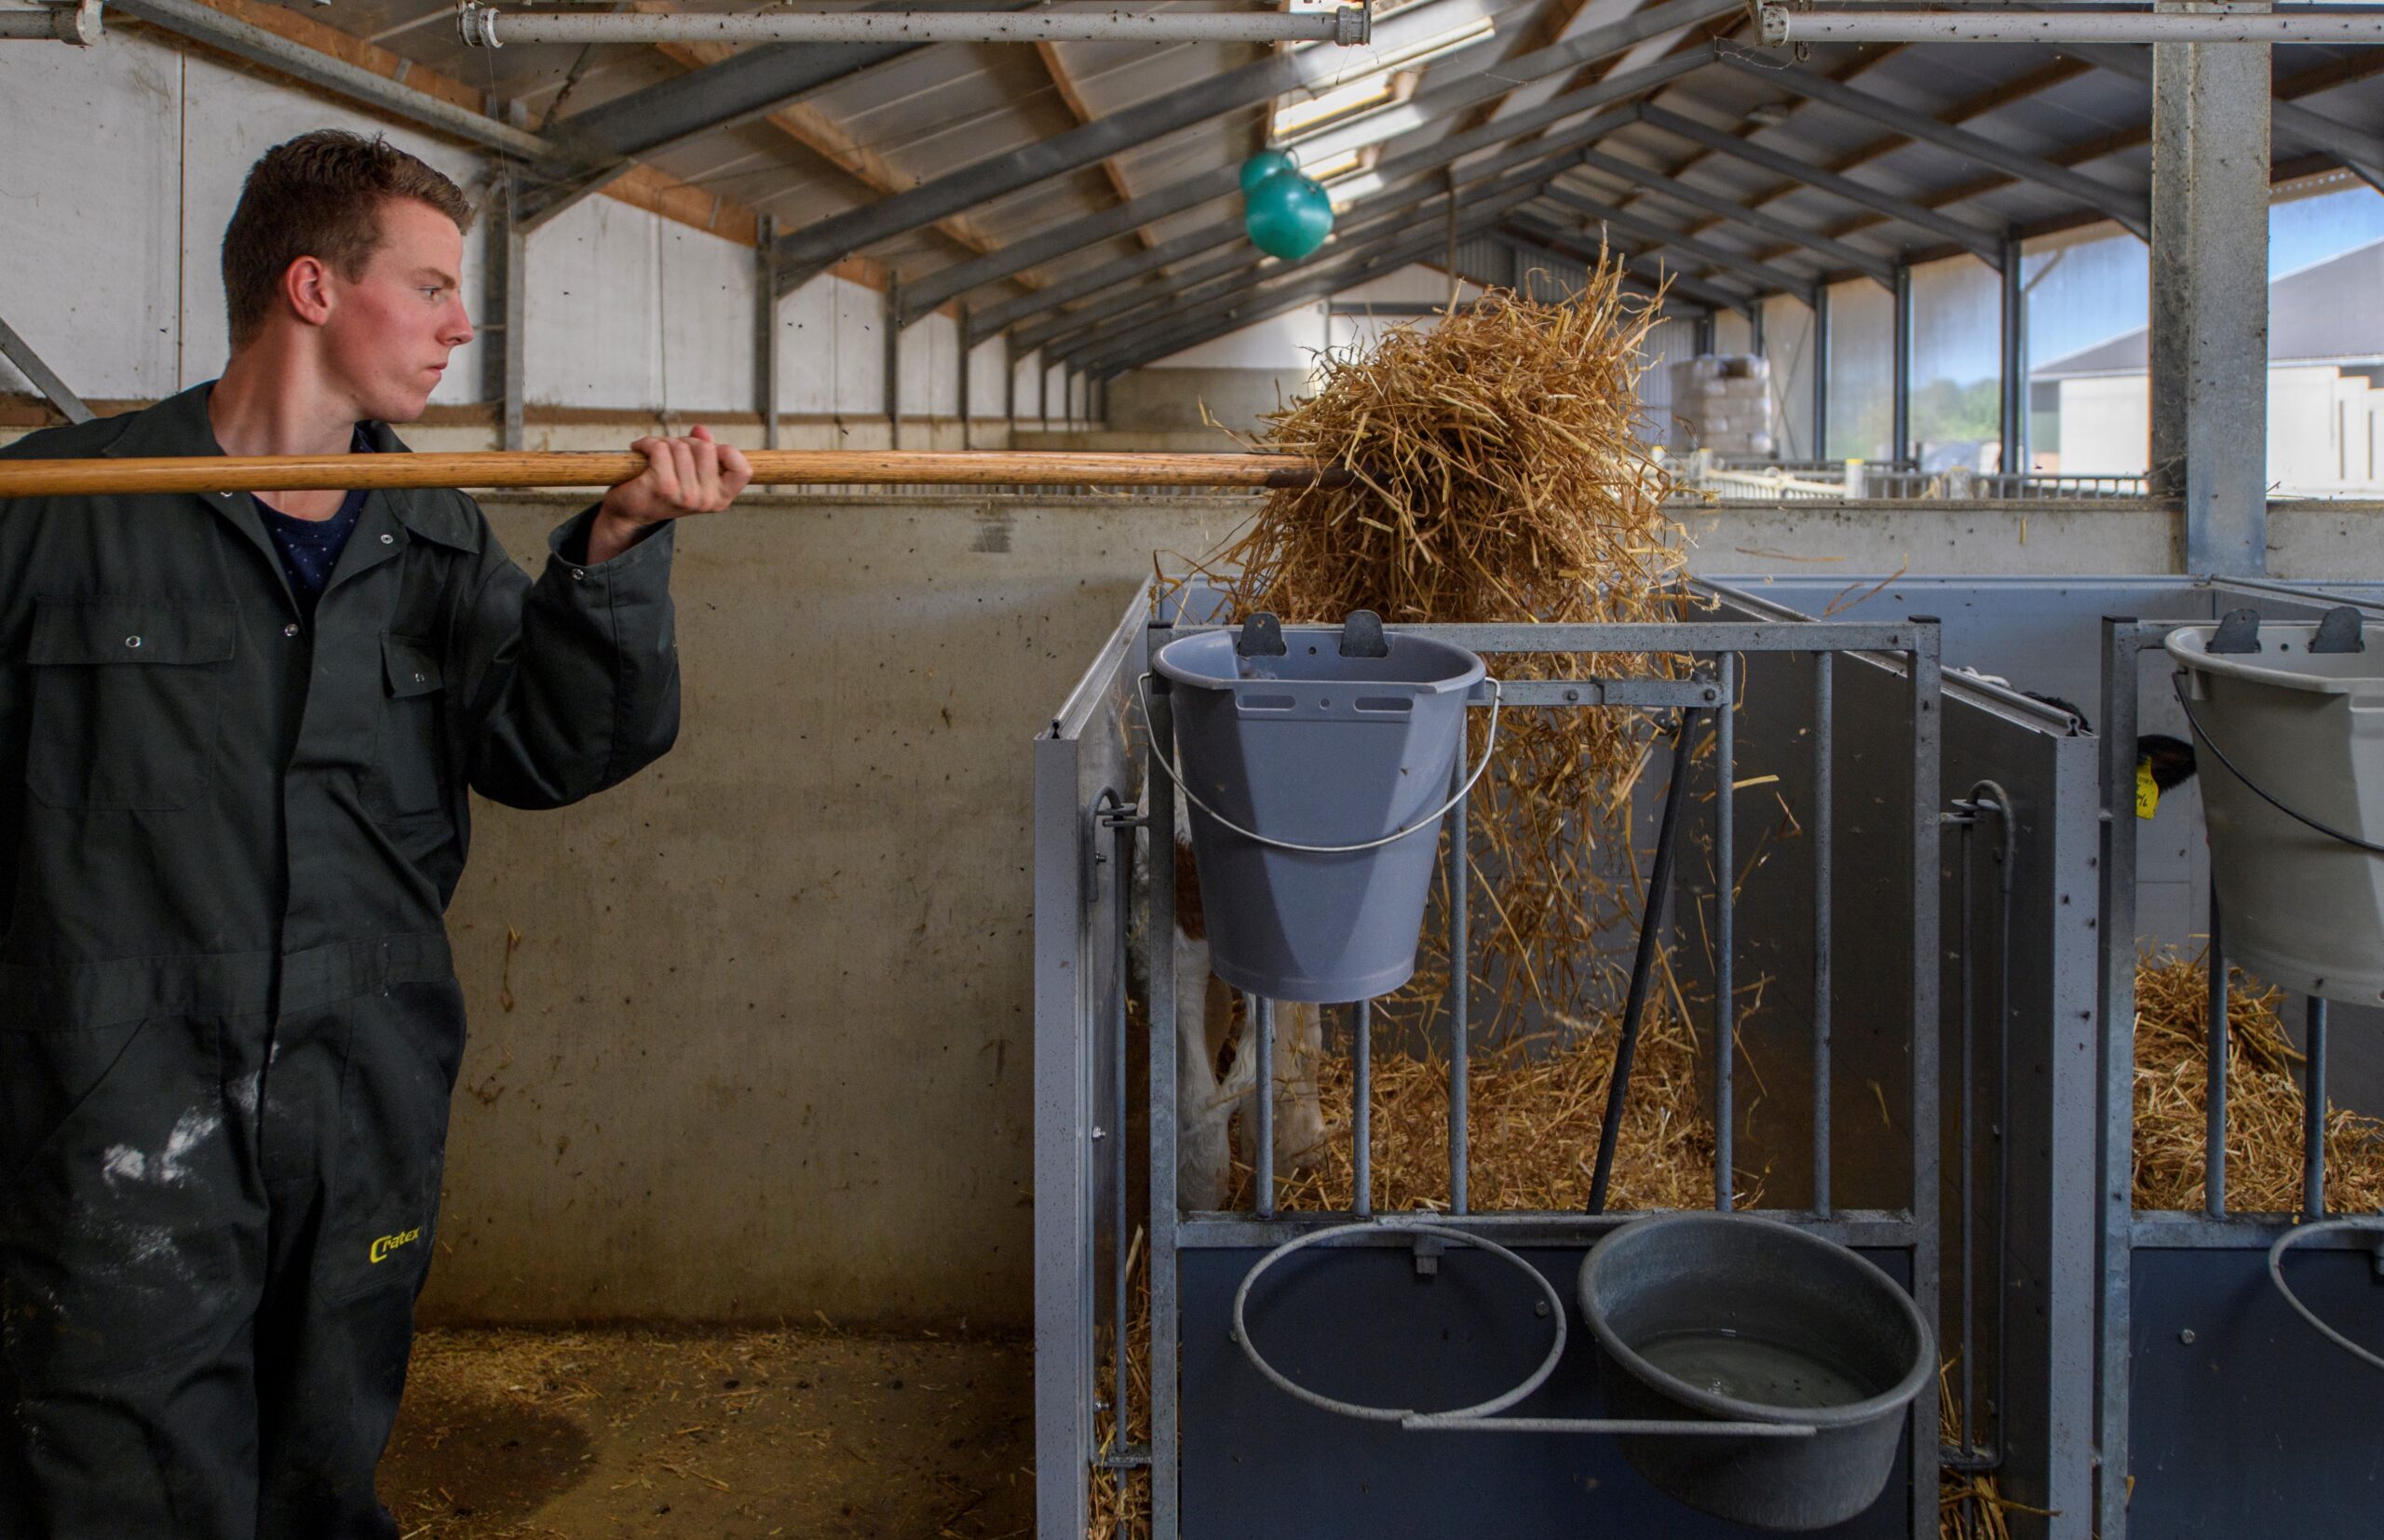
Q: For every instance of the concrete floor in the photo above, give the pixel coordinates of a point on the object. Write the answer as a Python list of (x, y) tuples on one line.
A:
[(509, 1435)]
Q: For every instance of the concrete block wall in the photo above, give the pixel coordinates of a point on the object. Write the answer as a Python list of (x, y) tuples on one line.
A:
[(122, 164)]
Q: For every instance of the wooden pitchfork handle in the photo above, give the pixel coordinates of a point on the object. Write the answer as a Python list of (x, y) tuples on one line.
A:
[(772, 468)]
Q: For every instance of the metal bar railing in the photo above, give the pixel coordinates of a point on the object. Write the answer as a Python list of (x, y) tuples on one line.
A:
[(1654, 912), (1165, 1438), (1926, 683), (1121, 868), (1725, 917), (1262, 1023), (2115, 1000), (1362, 1108), (2313, 1114), (1460, 971), (1985, 800), (2213, 1133), (1824, 832)]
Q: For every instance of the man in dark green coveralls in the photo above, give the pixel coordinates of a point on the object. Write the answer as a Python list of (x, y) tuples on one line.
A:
[(235, 742)]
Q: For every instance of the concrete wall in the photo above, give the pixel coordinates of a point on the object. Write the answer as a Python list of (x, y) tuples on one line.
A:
[(121, 166), (768, 1050)]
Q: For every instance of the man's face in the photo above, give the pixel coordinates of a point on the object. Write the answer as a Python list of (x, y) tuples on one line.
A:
[(389, 329)]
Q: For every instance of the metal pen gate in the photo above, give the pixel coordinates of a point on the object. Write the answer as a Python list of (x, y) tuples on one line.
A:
[(2217, 1411), (1852, 711)]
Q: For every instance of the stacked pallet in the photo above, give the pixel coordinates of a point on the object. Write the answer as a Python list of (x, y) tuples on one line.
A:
[(1722, 402)]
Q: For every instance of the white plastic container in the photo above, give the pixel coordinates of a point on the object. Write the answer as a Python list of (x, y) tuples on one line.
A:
[(2301, 908)]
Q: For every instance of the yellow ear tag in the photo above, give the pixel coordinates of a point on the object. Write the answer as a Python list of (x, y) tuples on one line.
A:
[(2147, 791)]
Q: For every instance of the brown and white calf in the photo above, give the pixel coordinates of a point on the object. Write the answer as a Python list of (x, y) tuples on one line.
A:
[(1208, 1030)]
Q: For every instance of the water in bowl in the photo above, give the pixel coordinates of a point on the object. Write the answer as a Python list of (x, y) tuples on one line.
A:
[(1724, 1362)]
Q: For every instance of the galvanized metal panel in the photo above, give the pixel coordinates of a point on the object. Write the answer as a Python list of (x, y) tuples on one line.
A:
[(2246, 1421), (1361, 1323)]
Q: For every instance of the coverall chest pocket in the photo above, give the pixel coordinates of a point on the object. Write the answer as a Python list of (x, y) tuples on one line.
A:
[(127, 699), (413, 729)]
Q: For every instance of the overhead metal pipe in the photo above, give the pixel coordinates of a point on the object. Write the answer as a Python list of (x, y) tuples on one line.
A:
[(76, 25), (489, 27), (1782, 26), (205, 24)]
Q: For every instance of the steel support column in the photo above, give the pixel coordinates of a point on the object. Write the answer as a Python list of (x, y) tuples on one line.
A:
[(766, 331), (505, 357), (2210, 296), (967, 361), (893, 325), (2013, 355), (1902, 413), (1820, 373)]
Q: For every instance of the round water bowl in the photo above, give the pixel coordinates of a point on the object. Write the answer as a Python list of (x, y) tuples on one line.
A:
[(1727, 1318)]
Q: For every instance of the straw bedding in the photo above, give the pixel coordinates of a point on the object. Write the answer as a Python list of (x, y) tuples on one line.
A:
[(2264, 1102), (1498, 476)]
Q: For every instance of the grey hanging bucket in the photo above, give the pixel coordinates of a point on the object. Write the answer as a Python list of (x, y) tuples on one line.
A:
[(1315, 735), (1728, 1317), (2288, 724)]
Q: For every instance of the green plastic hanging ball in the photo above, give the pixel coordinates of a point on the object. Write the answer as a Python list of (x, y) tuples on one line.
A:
[(1289, 215), (1265, 163)]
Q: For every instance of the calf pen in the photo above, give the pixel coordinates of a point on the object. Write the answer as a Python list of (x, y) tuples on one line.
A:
[(1924, 892), (2218, 1410)]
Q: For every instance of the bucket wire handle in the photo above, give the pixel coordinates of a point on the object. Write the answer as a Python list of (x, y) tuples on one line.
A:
[(2177, 684), (1551, 1301), (1175, 773), (2292, 1237)]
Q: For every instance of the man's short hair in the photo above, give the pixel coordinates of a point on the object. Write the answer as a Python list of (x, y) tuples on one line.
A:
[(318, 195)]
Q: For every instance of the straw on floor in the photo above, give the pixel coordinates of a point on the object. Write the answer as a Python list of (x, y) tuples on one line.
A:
[(2264, 1102)]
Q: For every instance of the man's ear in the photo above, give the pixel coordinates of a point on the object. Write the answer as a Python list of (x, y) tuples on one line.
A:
[(306, 287)]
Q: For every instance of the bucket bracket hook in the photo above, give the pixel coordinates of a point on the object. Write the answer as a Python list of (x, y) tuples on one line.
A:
[(1261, 636), (2238, 631), (1362, 636), (2338, 631)]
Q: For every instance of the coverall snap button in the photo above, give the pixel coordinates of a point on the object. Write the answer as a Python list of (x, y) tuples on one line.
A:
[(132, 642), (578, 574), (388, 539), (290, 629), (417, 679)]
